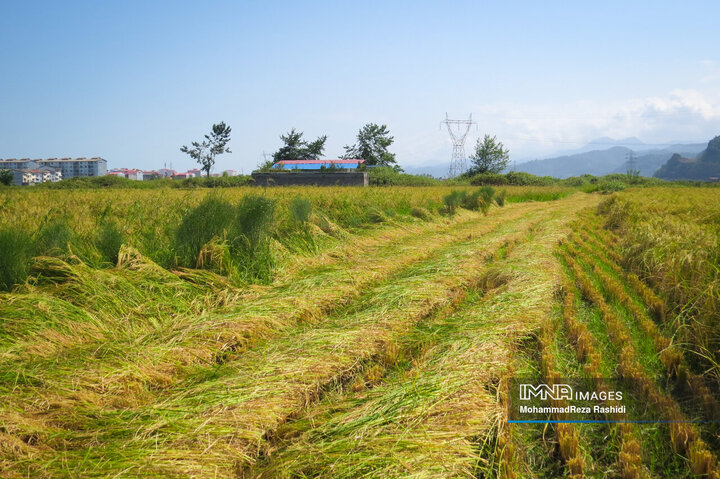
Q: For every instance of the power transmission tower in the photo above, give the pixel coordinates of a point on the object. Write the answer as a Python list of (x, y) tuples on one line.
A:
[(632, 171), (458, 163)]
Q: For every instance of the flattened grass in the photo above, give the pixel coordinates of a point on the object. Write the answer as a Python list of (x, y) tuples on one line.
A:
[(227, 411), (428, 419)]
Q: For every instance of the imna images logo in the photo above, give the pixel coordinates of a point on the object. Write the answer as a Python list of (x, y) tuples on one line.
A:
[(545, 391)]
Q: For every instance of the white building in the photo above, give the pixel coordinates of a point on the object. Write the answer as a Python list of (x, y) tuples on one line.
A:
[(35, 176), (68, 167)]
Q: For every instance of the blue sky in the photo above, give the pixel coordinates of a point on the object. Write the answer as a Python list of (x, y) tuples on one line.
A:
[(134, 81)]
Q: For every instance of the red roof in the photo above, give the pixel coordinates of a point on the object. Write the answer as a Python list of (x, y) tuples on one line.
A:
[(315, 162)]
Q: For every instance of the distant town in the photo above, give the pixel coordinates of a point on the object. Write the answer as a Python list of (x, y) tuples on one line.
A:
[(28, 171)]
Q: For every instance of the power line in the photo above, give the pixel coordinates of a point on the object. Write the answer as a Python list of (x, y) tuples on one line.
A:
[(601, 143)]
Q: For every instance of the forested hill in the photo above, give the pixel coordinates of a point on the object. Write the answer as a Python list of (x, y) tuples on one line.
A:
[(702, 168)]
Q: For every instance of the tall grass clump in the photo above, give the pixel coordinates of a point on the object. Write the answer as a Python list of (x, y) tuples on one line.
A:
[(452, 201), (298, 236), (108, 241), (300, 210), (500, 198), (53, 238), (211, 218), (487, 193), (15, 254), (251, 235), (478, 200), (376, 215), (421, 213), (234, 239), (471, 201)]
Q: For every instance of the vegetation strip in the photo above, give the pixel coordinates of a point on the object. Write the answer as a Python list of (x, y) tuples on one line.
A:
[(567, 435), (684, 437)]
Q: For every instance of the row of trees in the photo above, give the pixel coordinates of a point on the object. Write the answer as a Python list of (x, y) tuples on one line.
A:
[(373, 142), (372, 145)]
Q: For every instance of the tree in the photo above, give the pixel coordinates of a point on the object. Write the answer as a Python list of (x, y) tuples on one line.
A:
[(490, 156), (372, 146), (214, 144), (295, 148), (6, 177)]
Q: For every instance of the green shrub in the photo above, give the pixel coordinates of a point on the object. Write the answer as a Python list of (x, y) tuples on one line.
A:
[(486, 193), (514, 178), (15, 255), (500, 198), (471, 201), (387, 176), (452, 201), (612, 186), (6, 177)]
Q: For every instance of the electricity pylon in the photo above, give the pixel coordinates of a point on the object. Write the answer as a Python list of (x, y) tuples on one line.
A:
[(458, 163)]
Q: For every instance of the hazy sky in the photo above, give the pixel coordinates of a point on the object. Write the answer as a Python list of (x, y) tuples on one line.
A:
[(134, 81)]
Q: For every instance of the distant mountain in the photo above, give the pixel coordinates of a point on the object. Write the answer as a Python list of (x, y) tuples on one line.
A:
[(599, 157), (650, 162), (604, 143), (606, 161), (702, 168), (598, 162)]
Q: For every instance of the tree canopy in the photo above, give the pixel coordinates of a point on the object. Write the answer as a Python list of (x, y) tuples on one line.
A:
[(6, 177), (372, 146), (296, 148), (490, 156), (214, 144)]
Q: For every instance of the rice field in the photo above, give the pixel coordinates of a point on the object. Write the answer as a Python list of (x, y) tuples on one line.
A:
[(350, 332)]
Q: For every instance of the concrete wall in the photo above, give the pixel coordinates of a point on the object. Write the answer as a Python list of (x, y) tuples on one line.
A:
[(348, 178)]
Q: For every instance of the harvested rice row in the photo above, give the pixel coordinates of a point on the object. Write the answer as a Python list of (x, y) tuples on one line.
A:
[(685, 438), (630, 457), (222, 423), (612, 259), (509, 460), (437, 418), (600, 230), (567, 435), (670, 356), (617, 291)]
